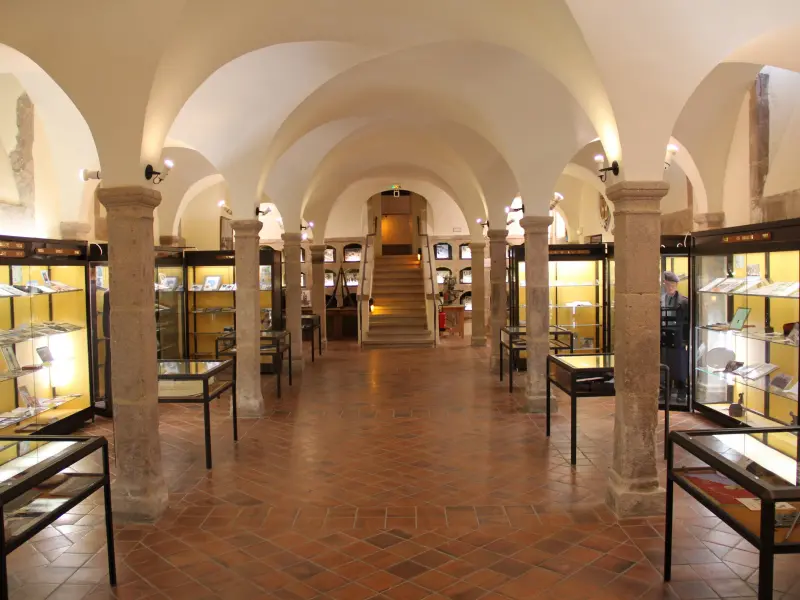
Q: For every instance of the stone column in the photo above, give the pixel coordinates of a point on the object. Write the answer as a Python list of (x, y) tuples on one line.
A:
[(291, 251), (633, 487), (318, 288), (478, 294), (75, 230), (249, 399), (537, 313), (140, 491), (706, 221), (498, 303)]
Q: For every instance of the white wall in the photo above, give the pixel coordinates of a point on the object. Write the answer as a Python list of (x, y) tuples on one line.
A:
[(677, 199), (47, 209), (784, 135), (736, 188), (200, 222)]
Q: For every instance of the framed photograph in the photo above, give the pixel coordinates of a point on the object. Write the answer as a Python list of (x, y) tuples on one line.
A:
[(225, 234), (211, 283)]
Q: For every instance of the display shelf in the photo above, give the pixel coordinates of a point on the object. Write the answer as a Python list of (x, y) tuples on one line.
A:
[(732, 319)]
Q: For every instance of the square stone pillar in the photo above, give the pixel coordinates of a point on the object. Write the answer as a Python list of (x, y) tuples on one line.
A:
[(498, 298), (537, 311), (706, 221), (140, 491), (291, 252), (633, 488), (75, 230), (249, 399), (318, 288), (478, 294)]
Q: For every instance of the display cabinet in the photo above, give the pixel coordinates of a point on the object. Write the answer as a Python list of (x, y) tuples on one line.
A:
[(748, 478), (211, 298), (578, 292), (45, 383), (169, 308), (746, 357)]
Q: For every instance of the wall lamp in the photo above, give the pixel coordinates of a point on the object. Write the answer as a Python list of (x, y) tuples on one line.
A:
[(371, 305), (672, 150), (419, 254), (225, 208), (263, 213), (601, 160), (86, 174), (158, 176), (482, 223), (304, 230)]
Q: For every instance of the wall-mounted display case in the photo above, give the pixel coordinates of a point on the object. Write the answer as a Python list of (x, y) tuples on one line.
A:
[(464, 252), (330, 255), (578, 292), (465, 276), (45, 383), (169, 311), (211, 298), (441, 273), (351, 253), (746, 324), (443, 251)]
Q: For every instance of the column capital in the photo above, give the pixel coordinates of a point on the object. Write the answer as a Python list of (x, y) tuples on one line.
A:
[(75, 230), (246, 227), (477, 247), (535, 224), (497, 235), (130, 196), (709, 220), (292, 238), (173, 241), (317, 253), (637, 197)]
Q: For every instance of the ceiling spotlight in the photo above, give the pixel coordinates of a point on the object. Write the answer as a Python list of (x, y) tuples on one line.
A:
[(158, 176), (86, 174)]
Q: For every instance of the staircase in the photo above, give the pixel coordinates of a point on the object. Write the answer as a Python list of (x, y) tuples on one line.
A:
[(399, 318)]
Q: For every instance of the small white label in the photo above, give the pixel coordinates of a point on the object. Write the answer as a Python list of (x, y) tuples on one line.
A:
[(456, 229)]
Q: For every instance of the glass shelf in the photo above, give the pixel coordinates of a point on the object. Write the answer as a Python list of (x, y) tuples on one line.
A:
[(779, 339), (762, 383)]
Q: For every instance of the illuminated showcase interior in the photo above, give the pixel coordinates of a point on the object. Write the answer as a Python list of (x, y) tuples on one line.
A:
[(45, 385)]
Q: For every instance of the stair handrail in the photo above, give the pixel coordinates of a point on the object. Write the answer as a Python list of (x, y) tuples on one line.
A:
[(435, 315), (361, 288)]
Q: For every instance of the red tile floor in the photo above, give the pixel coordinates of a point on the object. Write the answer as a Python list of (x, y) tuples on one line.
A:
[(391, 474)]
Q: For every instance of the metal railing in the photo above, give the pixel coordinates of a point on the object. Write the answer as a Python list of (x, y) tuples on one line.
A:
[(435, 315), (361, 288)]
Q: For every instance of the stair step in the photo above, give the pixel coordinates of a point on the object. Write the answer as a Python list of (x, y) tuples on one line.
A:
[(395, 321)]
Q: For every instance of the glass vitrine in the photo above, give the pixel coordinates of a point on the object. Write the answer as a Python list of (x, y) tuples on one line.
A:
[(578, 292), (45, 385), (746, 324)]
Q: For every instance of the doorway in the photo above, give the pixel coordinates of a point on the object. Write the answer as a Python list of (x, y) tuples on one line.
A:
[(396, 226)]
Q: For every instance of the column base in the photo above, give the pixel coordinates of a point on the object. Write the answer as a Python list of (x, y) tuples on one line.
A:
[(142, 505), (298, 364), (635, 498), (494, 363), (537, 403), (324, 343), (250, 407), (478, 342)]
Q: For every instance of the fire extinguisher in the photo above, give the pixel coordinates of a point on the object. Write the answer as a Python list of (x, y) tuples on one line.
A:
[(442, 320)]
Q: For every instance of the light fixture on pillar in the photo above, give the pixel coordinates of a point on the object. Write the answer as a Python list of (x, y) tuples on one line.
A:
[(557, 198), (86, 174), (483, 223), (672, 150), (304, 230), (158, 176), (263, 213), (603, 170), (371, 305), (419, 254)]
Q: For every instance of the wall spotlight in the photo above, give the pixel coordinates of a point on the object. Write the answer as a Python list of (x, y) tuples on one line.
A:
[(158, 176), (672, 149), (601, 160), (86, 174)]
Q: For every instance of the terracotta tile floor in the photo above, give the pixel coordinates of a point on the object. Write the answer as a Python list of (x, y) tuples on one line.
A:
[(391, 474)]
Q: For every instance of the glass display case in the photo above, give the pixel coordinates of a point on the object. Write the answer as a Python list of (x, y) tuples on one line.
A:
[(169, 311), (578, 292), (746, 324), (211, 296), (45, 386)]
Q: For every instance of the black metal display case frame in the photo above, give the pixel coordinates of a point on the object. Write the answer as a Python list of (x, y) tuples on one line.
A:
[(767, 238), (227, 258), (42, 252), (164, 257), (566, 253)]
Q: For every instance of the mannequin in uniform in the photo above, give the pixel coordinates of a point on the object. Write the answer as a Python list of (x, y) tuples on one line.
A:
[(674, 351)]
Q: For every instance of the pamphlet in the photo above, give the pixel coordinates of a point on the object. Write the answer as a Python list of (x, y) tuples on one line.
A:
[(782, 381), (761, 370), (755, 504), (211, 283), (12, 364), (45, 354)]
